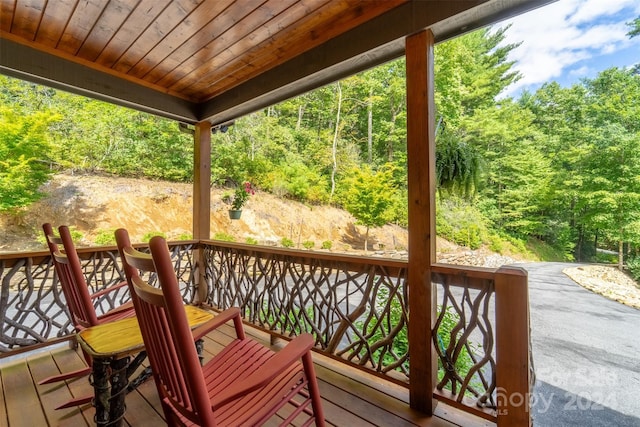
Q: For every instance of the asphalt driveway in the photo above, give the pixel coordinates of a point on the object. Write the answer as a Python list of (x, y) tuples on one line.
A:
[(586, 351)]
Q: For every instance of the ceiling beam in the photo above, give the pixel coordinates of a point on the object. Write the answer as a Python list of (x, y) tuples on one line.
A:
[(26, 63)]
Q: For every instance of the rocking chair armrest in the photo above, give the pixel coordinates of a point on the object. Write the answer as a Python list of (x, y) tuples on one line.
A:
[(108, 289), (220, 319), (117, 312), (282, 360)]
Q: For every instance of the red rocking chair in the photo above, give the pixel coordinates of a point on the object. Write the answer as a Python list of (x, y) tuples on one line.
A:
[(79, 300), (245, 384)]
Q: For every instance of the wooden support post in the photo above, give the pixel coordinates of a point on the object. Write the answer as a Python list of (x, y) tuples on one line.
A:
[(201, 200), (422, 235), (513, 368)]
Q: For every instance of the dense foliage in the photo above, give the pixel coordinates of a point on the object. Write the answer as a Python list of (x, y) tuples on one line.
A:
[(561, 165)]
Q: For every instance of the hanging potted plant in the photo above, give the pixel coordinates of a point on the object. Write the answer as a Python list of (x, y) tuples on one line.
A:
[(238, 198)]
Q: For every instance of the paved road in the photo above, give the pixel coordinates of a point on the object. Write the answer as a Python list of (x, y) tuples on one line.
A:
[(586, 351)]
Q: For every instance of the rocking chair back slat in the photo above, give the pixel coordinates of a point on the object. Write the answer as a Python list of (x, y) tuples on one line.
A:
[(74, 286)]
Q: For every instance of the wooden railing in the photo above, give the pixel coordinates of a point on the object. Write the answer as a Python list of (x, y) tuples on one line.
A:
[(356, 307), (32, 308)]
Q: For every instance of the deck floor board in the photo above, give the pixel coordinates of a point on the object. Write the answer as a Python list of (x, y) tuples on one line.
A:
[(53, 395), (350, 397), (21, 397)]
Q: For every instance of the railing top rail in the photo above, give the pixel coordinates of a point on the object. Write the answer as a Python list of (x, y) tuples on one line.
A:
[(17, 254), (86, 249), (465, 270), (449, 269), (309, 254)]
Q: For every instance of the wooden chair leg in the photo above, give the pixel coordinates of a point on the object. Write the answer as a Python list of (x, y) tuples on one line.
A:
[(65, 376), (314, 390), (76, 402)]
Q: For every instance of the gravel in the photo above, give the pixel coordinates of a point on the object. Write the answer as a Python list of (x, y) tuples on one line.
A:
[(607, 281)]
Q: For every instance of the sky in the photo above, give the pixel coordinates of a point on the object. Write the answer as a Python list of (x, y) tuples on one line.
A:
[(571, 39)]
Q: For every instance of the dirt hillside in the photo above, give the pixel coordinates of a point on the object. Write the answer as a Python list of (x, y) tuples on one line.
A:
[(98, 204)]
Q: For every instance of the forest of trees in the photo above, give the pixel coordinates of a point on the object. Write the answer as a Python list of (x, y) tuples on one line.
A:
[(561, 165)]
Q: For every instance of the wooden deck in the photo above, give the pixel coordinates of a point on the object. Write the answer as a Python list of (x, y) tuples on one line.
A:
[(350, 397)]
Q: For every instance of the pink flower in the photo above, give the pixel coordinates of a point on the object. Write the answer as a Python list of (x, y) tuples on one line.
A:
[(241, 195)]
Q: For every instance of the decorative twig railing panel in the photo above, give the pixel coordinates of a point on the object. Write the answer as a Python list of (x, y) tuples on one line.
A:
[(464, 337), (354, 306), (32, 309), (32, 306)]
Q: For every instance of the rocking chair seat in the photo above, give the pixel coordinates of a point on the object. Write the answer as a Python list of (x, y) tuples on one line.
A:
[(243, 360)]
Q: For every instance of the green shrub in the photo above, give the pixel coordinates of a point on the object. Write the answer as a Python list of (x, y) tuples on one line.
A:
[(377, 331), (327, 244), (468, 235), (185, 236), (308, 244), (297, 181), (541, 251), (286, 242), (462, 223), (450, 320), (40, 239), (147, 236), (496, 244), (633, 264), (606, 258), (76, 236), (291, 319), (251, 241), (519, 244), (221, 235), (105, 237)]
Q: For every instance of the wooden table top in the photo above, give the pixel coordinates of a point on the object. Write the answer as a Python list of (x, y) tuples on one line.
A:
[(122, 337)]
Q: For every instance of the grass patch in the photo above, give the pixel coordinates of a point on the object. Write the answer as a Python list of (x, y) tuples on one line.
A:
[(541, 251)]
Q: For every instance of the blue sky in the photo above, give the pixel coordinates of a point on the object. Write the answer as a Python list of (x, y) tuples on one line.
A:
[(571, 39)]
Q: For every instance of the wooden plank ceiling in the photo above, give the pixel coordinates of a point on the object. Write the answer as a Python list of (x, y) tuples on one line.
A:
[(195, 60)]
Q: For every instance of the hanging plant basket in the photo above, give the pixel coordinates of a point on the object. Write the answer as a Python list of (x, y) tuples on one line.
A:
[(235, 214)]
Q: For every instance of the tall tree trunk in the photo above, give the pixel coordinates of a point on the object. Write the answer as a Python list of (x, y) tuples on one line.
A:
[(578, 249), (334, 148), (300, 114), (268, 122), (370, 126), (366, 240), (391, 131), (620, 255)]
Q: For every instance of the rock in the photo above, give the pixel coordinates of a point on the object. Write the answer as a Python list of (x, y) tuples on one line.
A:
[(607, 281)]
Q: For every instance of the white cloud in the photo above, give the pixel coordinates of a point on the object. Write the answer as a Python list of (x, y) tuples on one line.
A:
[(580, 72), (559, 35), (588, 10)]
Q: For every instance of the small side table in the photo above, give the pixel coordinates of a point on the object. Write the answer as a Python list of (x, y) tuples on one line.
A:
[(111, 346)]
